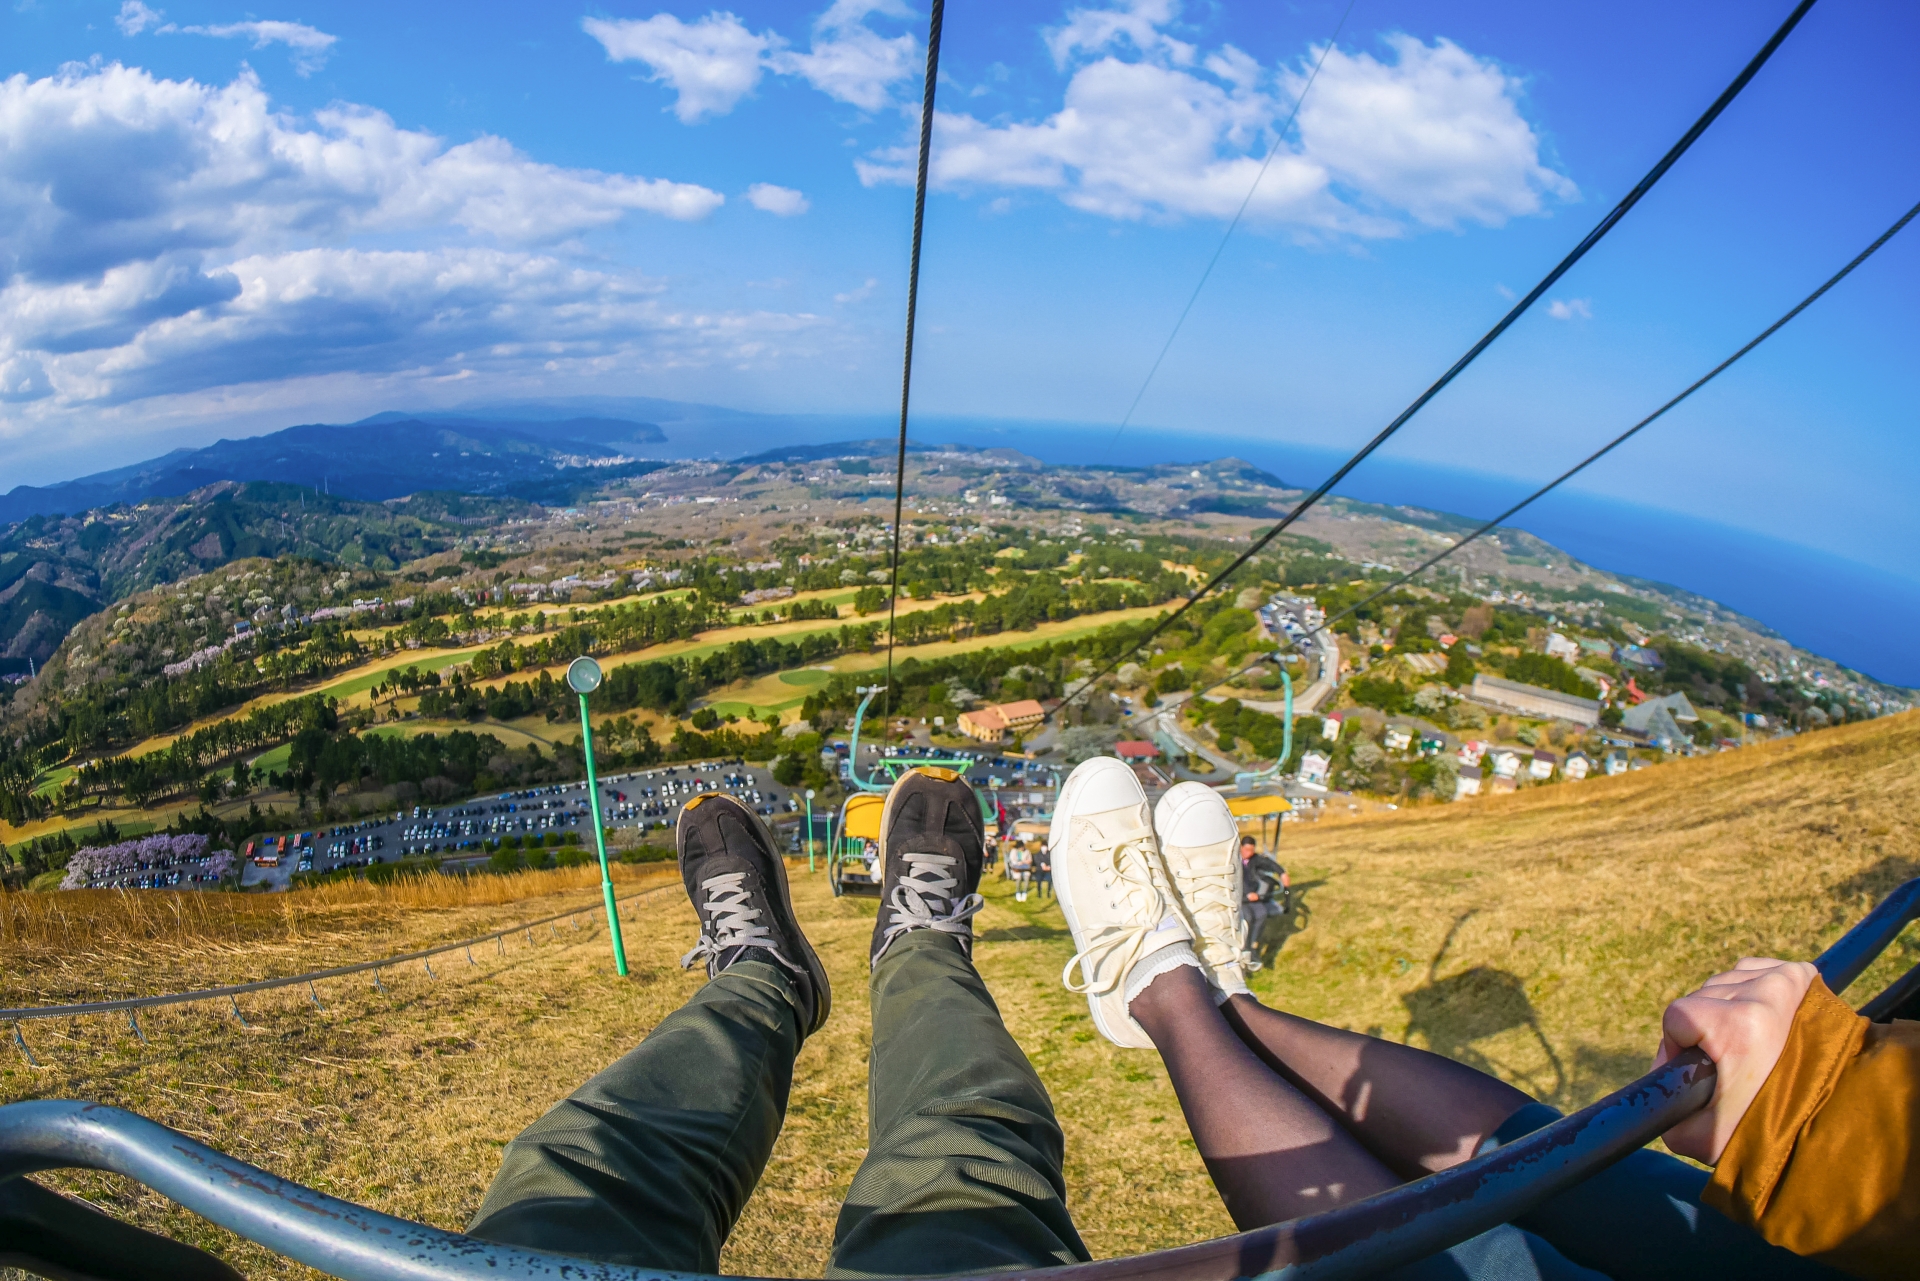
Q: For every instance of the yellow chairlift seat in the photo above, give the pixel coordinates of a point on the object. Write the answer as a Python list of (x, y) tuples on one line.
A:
[(1258, 812), (857, 823)]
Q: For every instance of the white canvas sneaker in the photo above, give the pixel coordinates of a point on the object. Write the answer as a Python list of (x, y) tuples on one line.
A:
[(1199, 842), (1113, 890)]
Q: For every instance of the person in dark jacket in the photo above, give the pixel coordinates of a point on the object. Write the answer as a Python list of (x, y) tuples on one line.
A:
[(1263, 884)]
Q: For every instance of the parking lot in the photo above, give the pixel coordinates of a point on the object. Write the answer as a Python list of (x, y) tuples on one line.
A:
[(637, 799)]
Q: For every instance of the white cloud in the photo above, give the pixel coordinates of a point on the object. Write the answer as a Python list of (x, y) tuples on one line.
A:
[(710, 64), (1570, 309), (1137, 23), (169, 238), (136, 17), (1434, 137), (849, 61), (783, 202), (861, 294), (310, 46), (713, 63)]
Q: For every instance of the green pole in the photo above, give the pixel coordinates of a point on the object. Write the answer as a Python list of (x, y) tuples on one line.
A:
[(810, 867), (584, 676)]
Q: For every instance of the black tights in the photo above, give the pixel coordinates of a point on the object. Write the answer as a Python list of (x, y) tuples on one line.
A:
[(1293, 1117)]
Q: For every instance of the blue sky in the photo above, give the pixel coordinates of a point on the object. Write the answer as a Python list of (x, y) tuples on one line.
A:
[(217, 221)]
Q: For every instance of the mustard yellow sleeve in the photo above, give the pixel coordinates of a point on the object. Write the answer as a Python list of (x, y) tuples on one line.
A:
[(1826, 1162)]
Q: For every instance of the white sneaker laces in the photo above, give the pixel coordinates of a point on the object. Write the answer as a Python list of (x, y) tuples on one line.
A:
[(1209, 897), (923, 899), (733, 924), (1127, 867)]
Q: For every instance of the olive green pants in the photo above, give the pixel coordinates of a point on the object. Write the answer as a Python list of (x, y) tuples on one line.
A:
[(650, 1163)]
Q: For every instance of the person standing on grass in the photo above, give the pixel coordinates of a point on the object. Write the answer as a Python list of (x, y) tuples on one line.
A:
[(650, 1163), (1814, 1126), (1020, 868), (1043, 872)]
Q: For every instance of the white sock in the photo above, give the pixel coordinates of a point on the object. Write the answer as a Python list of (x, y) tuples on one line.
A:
[(1154, 964)]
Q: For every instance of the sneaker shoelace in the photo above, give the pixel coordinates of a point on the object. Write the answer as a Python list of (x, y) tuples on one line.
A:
[(734, 922), (923, 899), (1127, 868), (1210, 898)]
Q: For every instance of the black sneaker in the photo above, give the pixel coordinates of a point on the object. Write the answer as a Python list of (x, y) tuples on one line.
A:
[(932, 847), (738, 883)]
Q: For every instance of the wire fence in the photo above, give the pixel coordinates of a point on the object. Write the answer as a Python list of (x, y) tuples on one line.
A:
[(232, 992)]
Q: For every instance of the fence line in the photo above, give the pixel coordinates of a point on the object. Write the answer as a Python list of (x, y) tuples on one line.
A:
[(241, 989)]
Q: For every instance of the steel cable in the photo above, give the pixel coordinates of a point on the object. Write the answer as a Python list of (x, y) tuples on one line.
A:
[(1520, 308), (1602, 452), (906, 364)]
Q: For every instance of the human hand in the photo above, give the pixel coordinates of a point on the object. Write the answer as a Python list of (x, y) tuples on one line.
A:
[(1740, 1019)]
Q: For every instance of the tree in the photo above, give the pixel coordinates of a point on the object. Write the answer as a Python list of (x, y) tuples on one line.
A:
[(1460, 668), (869, 600), (788, 770)]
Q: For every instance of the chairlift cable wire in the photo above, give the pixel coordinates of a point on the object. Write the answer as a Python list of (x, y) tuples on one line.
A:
[(1227, 235), (1599, 453), (906, 363), (1520, 308)]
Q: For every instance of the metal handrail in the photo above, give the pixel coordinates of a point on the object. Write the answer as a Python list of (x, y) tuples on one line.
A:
[(1367, 1237), (1855, 950), (23, 1013), (352, 1242)]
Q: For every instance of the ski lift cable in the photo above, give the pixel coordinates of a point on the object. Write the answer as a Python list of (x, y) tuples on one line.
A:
[(1520, 308), (1598, 454), (1207, 272), (906, 364)]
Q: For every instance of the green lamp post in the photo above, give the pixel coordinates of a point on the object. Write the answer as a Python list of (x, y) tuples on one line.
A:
[(583, 675), (810, 829)]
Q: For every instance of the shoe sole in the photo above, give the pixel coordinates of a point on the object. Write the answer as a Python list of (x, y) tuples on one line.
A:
[(782, 906), (1132, 1036)]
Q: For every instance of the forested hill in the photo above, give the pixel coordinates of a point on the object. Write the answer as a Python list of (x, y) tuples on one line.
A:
[(56, 570), (384, 457)]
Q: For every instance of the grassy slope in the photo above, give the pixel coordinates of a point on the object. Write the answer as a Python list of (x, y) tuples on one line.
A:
[(1538, 935)]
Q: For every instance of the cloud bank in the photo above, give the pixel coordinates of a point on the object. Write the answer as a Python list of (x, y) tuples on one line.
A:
[(1152, 127), (166, 237)]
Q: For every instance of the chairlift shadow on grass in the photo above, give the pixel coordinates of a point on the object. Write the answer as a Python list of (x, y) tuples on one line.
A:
[(1282, 926), (1457, 1014)]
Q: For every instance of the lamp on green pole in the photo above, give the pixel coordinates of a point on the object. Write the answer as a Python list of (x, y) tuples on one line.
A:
[(810, 829), (583, 675)]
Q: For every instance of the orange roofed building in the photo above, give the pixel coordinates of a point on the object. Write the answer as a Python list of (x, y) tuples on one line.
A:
[(992, 723)]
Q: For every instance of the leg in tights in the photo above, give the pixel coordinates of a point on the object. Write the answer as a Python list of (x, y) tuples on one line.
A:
[(1420, 1112), (1272, 1153), (1275, 1155), (1415, 1111)]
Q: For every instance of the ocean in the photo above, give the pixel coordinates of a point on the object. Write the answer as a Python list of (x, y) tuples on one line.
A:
[(1860, 616)]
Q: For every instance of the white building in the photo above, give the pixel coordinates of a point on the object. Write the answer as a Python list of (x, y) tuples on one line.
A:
[(1576, 767), (1330, 728), (1559, 646), (1398, 739), (1542, 765), (1313, 769), (1505, 762), (1467, 783)]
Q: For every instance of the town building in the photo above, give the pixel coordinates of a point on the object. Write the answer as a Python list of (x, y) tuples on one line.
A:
[(1133, 750), (1558, 646), (1471, 751), (1659, 720), (1576, 767), (1542, 765), (1467, 783), (1330, 727), (1313, 769), (1531, 700), (1505, 762), (1398, 738), (994, 722)]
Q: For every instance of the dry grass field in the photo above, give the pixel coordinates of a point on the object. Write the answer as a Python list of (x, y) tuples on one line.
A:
[(1537, 935)]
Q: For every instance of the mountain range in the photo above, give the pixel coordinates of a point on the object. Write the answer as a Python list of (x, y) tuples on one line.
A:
[(389, 455)]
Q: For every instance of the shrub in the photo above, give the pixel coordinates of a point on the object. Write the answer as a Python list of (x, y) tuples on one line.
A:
[(507, 860), (646, 854)]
